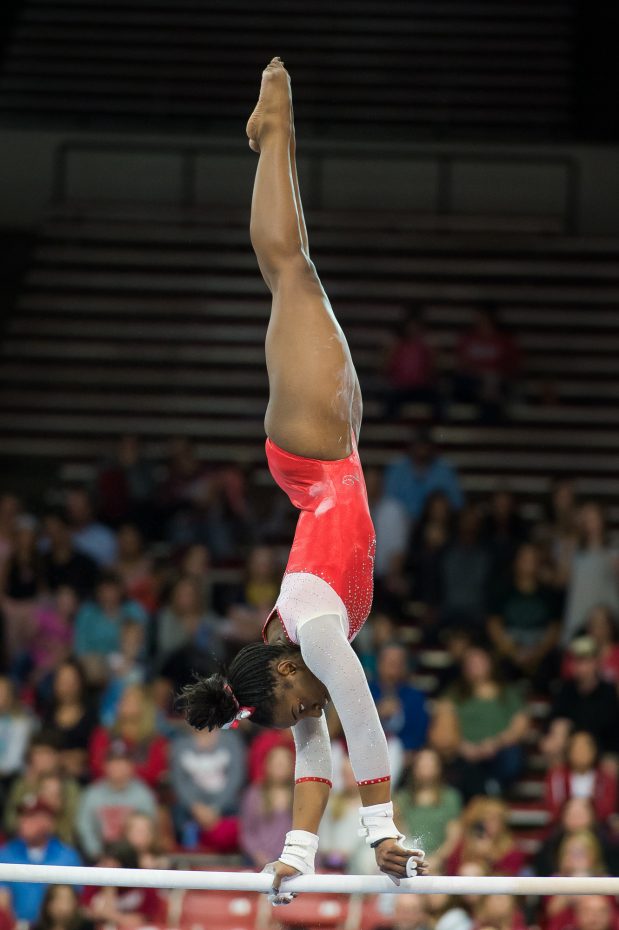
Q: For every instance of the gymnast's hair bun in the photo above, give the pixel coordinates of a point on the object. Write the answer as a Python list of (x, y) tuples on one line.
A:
[(207, 703)]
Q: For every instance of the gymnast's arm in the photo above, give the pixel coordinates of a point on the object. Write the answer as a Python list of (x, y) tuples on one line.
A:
[(328, 654), (311, 792)]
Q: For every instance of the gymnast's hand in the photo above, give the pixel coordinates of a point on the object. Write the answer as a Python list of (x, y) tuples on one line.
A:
[(280, 871), (398, 862)]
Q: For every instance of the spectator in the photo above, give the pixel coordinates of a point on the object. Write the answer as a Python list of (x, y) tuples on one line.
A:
[(92, 538), (503, 532), (123, 908), (410, 370), (63, 564), (62, 796), (602, 628), (424, 564), (487, 364), (23, 571), (392, 524), (35, 844), (108, 802), (581, 777), (410, 912), (260, 747), (524, 624), (125, 486), (379, 630), (402, 708), (125, 670), (185, 621), (136, 728), (594, 575), (429, 808), (52, 637), (185, 484), (135, 568), (557, 536), (22, 583), (266, 809), (142, 833), (61, 910), (585, 702), (208, 770), (341, 847), (15, 730), (42, 758), (98, 623), (594, 912), (196, 564), (412, 478), (499, 911), (255, 600), (580, 855), (465, 574), (487, 839), (71, 717), (221, 517), (576, 815), (479, 726)]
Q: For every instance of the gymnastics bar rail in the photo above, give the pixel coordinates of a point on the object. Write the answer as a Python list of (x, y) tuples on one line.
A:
[(323, 884)]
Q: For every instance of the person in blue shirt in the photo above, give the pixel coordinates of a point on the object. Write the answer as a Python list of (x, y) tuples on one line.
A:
[(413, 477), (401, 707), (99, 623), (36, 844)]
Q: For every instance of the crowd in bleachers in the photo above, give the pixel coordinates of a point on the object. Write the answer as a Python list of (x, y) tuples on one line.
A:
[(113, 595)]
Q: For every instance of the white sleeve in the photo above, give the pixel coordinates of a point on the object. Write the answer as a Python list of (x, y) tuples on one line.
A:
[(313, 750), (328, 654)]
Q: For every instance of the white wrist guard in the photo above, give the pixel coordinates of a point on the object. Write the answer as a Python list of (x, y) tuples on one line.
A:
[(300, 851), (377, 824)]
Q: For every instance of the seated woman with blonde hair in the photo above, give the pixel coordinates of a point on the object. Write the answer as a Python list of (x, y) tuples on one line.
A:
[(136, 726)]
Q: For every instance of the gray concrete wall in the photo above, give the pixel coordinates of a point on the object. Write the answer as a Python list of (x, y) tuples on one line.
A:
[(578, 183)]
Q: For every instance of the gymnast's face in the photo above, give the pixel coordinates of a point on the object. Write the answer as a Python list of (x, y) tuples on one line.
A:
[(299, 694)]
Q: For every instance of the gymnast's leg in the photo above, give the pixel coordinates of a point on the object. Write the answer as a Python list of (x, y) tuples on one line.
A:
[(314, 400)]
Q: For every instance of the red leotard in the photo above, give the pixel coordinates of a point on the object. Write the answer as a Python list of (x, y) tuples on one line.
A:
[(335, 537)]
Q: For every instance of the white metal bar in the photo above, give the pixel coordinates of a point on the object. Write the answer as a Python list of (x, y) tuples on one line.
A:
[(338, 884)]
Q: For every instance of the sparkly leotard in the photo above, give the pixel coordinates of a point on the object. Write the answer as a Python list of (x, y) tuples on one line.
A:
[(334, 540)]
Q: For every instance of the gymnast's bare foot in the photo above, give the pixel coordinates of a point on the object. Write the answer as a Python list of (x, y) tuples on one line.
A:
[(274, 107)]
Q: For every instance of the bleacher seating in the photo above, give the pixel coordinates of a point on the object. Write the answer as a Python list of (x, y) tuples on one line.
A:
[(153, 321), (450, 67)]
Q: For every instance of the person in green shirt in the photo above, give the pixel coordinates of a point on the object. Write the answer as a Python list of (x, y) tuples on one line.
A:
[(479, 726), (524, 624), (429, 808)]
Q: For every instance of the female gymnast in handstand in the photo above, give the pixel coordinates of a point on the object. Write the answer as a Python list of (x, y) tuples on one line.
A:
[(312, 423)]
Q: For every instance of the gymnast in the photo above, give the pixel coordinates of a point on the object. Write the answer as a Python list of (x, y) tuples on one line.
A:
[(312, 422)]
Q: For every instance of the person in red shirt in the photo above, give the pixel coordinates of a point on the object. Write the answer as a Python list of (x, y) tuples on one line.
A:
[(123, 908), (410, 370), (486, 838), (136, 726), (487, 363), (581, 777)]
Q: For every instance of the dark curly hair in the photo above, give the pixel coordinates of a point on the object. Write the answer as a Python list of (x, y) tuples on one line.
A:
[(251, 676)]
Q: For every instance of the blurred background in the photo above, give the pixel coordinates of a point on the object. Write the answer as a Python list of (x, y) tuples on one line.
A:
[(458, 162)]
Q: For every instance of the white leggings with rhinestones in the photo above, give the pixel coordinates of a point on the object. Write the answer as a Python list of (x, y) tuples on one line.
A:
[(328, 654)]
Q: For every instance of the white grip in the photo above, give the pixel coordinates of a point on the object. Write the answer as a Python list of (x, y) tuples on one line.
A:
[(377, 823), (300, 851)]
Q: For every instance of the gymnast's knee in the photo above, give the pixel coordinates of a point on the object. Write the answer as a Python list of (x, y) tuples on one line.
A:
[(279, 257)]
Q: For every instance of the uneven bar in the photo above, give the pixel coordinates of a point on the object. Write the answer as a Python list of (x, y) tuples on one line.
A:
[(322, 884)]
